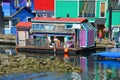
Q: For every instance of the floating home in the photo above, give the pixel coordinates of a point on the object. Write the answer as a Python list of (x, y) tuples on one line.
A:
[(49, 33)]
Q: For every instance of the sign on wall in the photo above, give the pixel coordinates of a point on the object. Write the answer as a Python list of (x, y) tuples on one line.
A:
[(76, 26)]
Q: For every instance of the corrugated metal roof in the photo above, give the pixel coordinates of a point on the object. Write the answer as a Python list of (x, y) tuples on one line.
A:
[(100, 21), (64, 20), (24, 24)]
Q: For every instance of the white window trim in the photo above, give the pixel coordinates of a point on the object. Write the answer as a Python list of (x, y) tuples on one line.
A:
[(28, 3), (44, 15), (16, 3)]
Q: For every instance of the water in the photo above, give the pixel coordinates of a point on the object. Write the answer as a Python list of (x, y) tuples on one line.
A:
[(92, 70)]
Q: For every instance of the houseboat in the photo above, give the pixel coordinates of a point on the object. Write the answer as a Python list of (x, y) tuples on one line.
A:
[(49, 35)]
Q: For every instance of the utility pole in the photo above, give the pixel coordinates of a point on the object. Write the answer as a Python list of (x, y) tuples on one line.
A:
[(110, 23)]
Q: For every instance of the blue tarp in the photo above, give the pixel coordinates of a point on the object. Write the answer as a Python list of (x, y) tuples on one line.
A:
[(108, 54)]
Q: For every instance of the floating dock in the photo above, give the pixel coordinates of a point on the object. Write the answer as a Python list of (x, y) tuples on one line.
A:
[(49, 50)]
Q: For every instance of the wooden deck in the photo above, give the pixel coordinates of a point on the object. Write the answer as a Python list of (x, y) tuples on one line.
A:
[(49, 50)]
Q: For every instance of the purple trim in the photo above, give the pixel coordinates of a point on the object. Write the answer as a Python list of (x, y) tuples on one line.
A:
[(90, 38), (82, 38)]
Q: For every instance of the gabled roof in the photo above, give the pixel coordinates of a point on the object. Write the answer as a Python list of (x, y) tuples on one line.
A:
[(24, 24), (63, 20), (19, 10)]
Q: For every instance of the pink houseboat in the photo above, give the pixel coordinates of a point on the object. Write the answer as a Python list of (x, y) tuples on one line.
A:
[(47, 34)]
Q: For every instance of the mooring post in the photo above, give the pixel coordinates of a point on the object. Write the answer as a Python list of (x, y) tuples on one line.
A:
[(54, 50)]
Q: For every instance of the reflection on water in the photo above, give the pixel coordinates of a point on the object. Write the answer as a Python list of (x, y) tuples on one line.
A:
[(92, 70), (6, 49)]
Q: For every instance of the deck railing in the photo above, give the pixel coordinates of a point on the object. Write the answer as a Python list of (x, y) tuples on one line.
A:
[(42, 43)]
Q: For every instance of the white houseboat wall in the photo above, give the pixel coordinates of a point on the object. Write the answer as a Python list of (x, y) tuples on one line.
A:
[(61, 32), (23, 29)]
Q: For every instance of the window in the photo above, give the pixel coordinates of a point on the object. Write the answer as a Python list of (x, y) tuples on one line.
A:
[(68, 26), (87, 8), (41, 26), (29, 19), (115, 4), (44, 15), (51, 27), (34, 27), (14, 22), (28, 4), (6, 22), (38, 27), (102, 13), (16, 3)]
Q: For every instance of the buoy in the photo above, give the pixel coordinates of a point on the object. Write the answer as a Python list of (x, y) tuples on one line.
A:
[(65, 50), (66, 56), (66, 53)]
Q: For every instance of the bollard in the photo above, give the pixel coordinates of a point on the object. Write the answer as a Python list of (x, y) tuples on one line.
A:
[(66, 56), (54, 51)]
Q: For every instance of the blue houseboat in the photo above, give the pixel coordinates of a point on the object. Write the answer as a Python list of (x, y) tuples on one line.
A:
[(49, 33)]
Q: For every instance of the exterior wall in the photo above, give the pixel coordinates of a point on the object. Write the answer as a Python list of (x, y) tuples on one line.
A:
[(115, 18), (115, 14), (8, 29), (22, 3), (47, 13), (64, 7), (6, 9), (9, 9), (44, 5), (91, 38), (83, 40), (53, 28), (21, 38), (23, 15), (97, 9)]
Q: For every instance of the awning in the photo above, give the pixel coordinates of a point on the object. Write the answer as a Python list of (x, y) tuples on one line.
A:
[(24, 24), (100, 21)]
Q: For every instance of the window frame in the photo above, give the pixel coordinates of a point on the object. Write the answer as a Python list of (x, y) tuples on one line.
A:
[(68, 28)]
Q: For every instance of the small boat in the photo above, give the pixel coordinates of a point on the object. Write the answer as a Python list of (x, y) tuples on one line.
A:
[(109, 54)]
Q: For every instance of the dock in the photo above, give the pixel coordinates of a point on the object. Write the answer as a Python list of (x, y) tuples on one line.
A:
[(52, 50), (7, 39)]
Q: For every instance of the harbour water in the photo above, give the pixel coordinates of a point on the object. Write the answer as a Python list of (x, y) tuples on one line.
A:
[(91, 70)]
